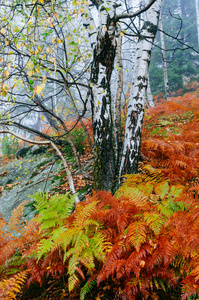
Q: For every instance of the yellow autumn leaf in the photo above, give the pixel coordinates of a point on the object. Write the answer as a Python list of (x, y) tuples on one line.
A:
[(5, 89), (3, 31), (50, 22), (98, 103), (6, 73), (30, 73), (68, 37), (1, 59), (9, 66), (58, 41), (38, 89), (43, 118)]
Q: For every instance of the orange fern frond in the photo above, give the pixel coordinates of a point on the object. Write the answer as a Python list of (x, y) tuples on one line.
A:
[(14, 222), (11, 287)]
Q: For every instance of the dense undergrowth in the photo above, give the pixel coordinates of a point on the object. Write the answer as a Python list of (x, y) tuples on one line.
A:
[(141, 243)]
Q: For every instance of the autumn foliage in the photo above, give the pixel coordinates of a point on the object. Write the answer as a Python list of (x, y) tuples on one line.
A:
[(171, 137), (141, 243)]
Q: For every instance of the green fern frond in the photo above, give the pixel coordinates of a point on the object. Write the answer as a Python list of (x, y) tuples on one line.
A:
[(52, 211), (155, 221), (68, 237), (87, 259), (44, 247), (72, 282), (83, 213), (137, 234), (134, 195), (87, 288), (162, 189), (98, 245)]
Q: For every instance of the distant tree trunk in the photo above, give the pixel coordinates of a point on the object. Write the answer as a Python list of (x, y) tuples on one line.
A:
[(197, 17), (101, 70), (149, 94), (135, 113), (117, 106), (166, 81)]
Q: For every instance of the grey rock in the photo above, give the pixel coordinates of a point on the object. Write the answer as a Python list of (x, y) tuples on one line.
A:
[(22, 152), (38, 150), (23, 179)]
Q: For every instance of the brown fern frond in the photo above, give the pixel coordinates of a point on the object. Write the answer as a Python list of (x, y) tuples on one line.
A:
[(164, 253), (114, 255), (14, 222), (136, 261), (195, 189), (36, 272), (189, 287), (181, 164)]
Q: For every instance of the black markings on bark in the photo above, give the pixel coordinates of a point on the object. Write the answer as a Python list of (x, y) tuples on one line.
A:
[(150, 27)]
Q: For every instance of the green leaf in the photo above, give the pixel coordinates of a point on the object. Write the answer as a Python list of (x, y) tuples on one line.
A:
[(162, 189)]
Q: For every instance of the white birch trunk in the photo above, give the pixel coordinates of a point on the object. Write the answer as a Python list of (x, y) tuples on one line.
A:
[(166, 81), (135, 113)]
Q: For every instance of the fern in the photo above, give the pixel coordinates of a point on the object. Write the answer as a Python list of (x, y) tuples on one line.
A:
[(52, 211), (87, 288), (154, 221), (136, 234), (11, 287)]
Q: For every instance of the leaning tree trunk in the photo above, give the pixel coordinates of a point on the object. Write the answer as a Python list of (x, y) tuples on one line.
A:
[(101, 70), (135, 113)]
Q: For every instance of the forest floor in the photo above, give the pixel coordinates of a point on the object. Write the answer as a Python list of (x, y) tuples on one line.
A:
[(170, 143)]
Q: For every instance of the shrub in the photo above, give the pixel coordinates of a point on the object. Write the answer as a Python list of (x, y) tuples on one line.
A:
[(9, 146)]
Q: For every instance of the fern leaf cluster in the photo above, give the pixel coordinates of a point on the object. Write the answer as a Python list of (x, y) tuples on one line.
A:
[(9, 288), (138, 244), (170, 138)]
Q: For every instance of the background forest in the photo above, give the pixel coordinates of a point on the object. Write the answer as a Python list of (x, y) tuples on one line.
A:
[(108, 94)]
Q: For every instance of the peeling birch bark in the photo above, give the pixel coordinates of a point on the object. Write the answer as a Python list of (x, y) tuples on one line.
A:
[(135, 113)]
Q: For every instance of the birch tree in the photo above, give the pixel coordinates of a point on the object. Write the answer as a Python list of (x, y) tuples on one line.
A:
[(135, 113), (65, 70)]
